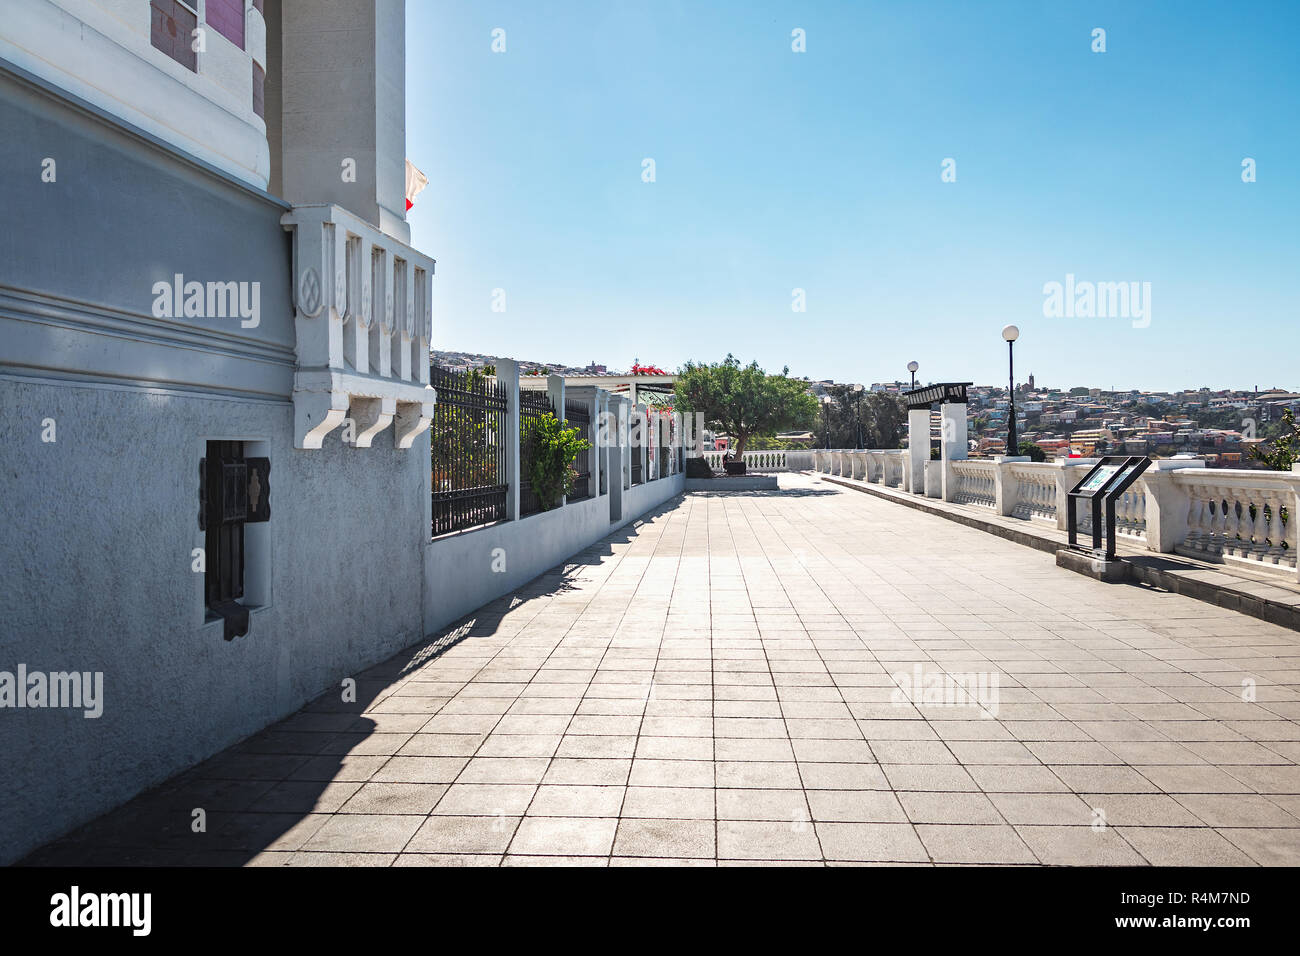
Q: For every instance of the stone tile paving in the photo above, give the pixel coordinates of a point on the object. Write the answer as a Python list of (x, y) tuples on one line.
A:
[(720, 685)]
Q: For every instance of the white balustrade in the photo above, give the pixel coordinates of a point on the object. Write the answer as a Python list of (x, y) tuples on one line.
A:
[(800, 459), (859, 460), (1131, 511), (1035, 484), (893, 469), (767, 461), (976, 481), (875, 466), (1240, 516)]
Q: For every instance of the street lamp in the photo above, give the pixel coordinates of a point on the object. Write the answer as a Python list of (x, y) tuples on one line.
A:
[(857, 411), (912, 367), (1011, 333), (826, 418)]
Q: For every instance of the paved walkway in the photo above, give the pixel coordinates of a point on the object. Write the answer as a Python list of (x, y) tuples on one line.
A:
[(714, 686)]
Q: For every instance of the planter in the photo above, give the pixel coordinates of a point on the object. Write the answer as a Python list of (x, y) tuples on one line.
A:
[(698, 468), (734, 467)]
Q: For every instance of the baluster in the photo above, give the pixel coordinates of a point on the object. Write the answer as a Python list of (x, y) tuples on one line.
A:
[(1202, 520), (1272, 528), (1235, 523), (1260, 530), (1288, 530), (1253, 529), (1219, 526)]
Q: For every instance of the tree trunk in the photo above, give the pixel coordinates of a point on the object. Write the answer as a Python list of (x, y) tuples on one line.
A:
[(739, 450)]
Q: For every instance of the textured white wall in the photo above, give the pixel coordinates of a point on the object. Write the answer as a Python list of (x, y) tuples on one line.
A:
[(97, 577)]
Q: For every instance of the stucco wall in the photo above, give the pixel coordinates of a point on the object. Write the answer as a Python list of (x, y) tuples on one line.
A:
[(97, 577), (99, 524)]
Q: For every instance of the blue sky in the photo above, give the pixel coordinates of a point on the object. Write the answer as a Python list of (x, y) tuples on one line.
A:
[(821, 171)]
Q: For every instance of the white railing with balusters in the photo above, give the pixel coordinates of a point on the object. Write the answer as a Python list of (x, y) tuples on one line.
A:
[(893, 476), (762, 461), (1036, 485), (1131, 511), (1240, 516), (976, 482)]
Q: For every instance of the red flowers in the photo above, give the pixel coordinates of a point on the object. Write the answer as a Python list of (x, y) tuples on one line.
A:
[(647, 370)]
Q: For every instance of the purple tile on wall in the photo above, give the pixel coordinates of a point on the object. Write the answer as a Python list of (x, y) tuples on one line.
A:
[(171, 28), (227, 18)]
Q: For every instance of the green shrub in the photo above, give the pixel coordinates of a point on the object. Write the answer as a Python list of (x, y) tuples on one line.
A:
[(551, 451)]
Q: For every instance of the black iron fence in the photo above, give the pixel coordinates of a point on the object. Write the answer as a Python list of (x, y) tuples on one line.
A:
[(468, 453), (532, 406), (577, 416), (663, 461)]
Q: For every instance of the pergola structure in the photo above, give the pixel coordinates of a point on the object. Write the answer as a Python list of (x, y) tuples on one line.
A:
[(630, 385), (951, 399)]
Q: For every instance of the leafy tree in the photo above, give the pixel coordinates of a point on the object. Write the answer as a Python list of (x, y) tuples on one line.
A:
[(1285, 450), (1034, 452), (886, 420), (743, 400), (769, 443), (877, 416)]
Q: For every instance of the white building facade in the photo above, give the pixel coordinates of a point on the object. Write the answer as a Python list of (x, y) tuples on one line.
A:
[(214, 381)]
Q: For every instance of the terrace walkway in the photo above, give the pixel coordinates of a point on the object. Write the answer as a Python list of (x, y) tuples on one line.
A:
[(714, 686)]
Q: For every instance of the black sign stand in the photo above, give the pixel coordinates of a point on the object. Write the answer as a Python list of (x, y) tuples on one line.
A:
[(1104, 483)]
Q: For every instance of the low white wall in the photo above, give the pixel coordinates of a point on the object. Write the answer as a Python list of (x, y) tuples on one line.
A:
[(646, 497), (459, 573)]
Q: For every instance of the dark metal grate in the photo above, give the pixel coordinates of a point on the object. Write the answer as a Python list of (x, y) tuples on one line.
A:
[(577, 416), (532, 406), (468, 452)]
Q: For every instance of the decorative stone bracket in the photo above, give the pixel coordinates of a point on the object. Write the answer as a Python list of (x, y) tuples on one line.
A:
[(362, 327)]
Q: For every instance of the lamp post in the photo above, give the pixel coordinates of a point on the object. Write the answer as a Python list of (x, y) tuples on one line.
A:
[(826, 418), (857, 411), (1011, 333), (912, 367)]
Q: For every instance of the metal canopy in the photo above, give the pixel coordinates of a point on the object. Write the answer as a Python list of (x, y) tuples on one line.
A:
[(941, 392)]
